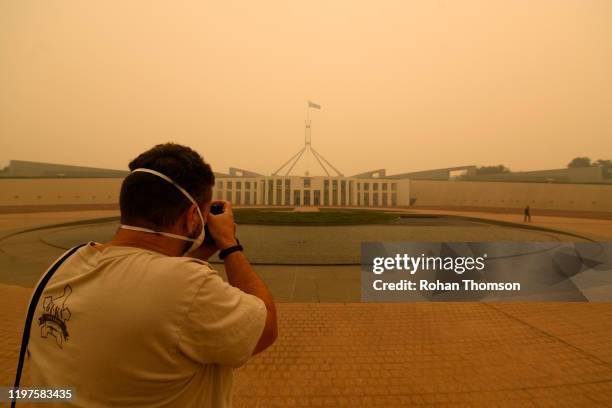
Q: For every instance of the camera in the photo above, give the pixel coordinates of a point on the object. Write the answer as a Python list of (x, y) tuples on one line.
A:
[(215, 209)]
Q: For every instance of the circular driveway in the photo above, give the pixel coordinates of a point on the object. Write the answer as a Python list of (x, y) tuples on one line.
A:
[(332, 245)]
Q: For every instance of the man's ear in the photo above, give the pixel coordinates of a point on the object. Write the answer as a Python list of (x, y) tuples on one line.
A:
[(190, 220)]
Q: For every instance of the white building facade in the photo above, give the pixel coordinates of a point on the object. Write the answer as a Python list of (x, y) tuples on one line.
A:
[(320, 191)]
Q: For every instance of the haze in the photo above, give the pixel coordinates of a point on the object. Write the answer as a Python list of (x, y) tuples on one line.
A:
[(406, 85)]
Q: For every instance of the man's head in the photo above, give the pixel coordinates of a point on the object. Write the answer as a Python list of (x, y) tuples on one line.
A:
[(149, 201)]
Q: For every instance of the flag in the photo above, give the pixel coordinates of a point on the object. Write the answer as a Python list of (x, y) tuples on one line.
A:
[(313, 105)]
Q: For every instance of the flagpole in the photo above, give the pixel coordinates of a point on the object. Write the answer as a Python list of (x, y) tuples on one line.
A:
[(322, 161), (307, 129)]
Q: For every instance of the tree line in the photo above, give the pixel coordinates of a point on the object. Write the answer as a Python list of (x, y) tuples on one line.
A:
[(576, 162)]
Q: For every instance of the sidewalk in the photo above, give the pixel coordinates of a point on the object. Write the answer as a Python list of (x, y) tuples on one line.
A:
[(597, 229)]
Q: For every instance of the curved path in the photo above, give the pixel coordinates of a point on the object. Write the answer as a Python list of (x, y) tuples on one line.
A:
[(299, 263)]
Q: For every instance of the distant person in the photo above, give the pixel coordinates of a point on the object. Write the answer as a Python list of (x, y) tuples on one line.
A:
[(143, 320), (527, 214)]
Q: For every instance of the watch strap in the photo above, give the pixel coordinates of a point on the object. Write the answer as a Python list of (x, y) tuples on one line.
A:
[(225, 252)]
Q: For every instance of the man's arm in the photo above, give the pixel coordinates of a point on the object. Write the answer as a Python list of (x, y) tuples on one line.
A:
[(240, 273)]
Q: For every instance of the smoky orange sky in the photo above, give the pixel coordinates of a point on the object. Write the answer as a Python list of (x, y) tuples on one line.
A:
[(404, 85)]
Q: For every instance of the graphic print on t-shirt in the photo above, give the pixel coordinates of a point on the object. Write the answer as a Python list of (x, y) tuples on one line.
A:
[(55, 315)]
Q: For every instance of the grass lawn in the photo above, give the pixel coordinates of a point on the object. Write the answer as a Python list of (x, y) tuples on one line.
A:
[(323, 217)]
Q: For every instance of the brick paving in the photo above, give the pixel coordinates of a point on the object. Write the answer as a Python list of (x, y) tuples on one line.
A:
[(436, 354)]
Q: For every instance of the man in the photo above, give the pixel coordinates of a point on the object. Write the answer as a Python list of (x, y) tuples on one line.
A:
[(527, 214), (143, 320)]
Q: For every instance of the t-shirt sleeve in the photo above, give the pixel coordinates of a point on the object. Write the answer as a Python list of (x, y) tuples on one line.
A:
[(223, 324)]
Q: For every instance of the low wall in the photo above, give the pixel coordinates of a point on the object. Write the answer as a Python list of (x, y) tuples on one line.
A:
[(33, 193), (548, 196), (45, 192)]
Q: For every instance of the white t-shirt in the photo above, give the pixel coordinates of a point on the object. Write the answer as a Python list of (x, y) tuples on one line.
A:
[(133, 327)]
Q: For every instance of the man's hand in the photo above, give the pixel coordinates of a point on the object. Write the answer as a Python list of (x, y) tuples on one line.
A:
[(223, 231), (222, 226)]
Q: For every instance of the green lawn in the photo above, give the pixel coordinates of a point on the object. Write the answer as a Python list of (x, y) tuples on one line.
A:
[(323, 217)]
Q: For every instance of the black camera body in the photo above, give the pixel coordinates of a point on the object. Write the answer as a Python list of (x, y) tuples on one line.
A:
[(215, 209)]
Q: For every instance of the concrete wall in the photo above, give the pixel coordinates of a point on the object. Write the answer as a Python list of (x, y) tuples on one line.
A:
[(22, 168), (578, 197), (16, 192)]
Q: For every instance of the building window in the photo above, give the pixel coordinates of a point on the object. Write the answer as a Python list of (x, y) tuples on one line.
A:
[(238, 197), (358, 186), (317, 197), (287, 192), (335, 192), (228, 195), (325, 192), (220, 185), (306, 185), (270, 191), (229, 185), (238, 185), (375, 199), (384, 200), (359, 198), (306, 197), (263, 192), (366, 186), (375, 186), (384, 186), (296, 197), (394, 199), (343, 192), (366, 199), (247, 197), (279, 191), (247, 185)]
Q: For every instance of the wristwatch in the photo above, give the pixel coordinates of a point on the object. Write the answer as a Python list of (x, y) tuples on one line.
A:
[(225, 252)]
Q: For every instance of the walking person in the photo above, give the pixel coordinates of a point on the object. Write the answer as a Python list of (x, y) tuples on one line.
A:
[(527, 214)]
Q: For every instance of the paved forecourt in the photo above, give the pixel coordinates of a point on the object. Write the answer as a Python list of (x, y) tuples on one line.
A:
[(345, 353), (430, 354)]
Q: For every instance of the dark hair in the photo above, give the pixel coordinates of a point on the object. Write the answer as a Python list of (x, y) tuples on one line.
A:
[(148, 200)]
